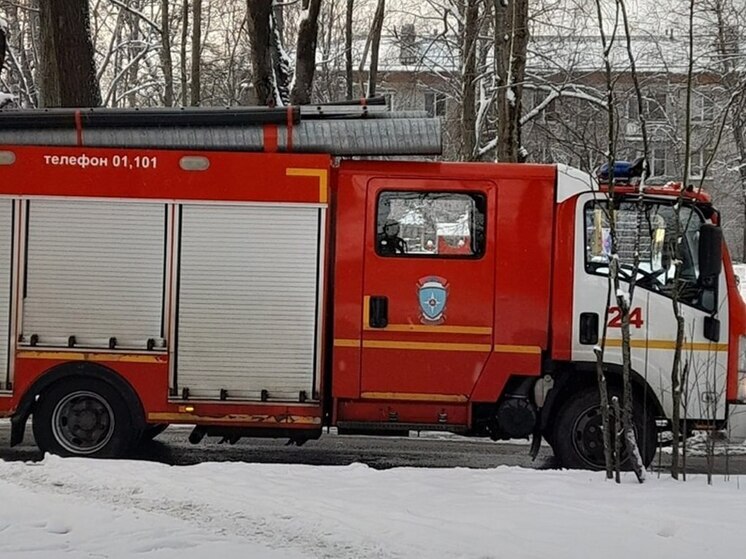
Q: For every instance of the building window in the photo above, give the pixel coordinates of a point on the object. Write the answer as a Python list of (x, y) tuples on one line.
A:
[(658, 158), (697, 163), (435, 103), (633, 108), (654, 106), (657, 106), (430, 224), (703, 108)]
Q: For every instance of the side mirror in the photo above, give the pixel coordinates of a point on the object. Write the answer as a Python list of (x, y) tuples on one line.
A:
[(710, 254)]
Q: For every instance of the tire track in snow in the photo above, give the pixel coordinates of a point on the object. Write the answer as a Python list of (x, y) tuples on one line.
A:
[(281, 532)]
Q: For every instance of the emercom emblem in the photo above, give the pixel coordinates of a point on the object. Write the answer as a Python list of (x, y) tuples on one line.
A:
[(433, 296)]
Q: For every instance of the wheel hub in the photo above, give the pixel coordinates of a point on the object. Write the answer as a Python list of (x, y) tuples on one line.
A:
[(83, 422), (588, 437)]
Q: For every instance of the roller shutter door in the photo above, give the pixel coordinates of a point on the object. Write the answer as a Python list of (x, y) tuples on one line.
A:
[(94, 271), (6, 251), (248, 301)]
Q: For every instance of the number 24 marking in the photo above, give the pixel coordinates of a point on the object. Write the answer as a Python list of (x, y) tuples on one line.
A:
[(635, 317)]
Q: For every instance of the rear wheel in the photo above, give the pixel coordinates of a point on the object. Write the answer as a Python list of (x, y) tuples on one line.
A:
[(83, 417), (577, 437)]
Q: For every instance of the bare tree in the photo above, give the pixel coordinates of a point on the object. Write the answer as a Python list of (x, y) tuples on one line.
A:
[(511, 43), (196, 51), (375, 41), (68, 73), (607, 44), (348, 48), (166, 61), (3, 43), (305, 57), (183, 61), (469, 37), (727, 37), (282, 67), (259, 25)]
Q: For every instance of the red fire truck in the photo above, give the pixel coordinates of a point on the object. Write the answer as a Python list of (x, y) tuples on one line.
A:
[(246, 272)]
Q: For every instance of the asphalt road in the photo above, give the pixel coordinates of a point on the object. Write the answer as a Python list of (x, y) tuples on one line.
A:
[(172, 447)]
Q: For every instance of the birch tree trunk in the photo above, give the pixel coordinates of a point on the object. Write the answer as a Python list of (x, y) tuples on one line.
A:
[(68, 73), (282, 70), (677, 376), (305, 58), (607, 42)]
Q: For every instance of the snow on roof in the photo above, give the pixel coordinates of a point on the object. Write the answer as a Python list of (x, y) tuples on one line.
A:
[(553, 53), (652, 53)]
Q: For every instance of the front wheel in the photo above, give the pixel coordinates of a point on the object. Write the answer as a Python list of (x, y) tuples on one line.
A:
[(577, 437), (83, 417)]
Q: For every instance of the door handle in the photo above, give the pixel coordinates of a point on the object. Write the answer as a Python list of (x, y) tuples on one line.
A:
[(588, 328), (378, 311)]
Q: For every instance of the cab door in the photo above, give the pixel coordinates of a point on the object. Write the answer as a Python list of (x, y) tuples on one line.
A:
[(653, 325), (428, 288)]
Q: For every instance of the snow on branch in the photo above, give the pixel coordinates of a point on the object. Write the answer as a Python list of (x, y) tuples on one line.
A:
[(567, 90), (139, 14)]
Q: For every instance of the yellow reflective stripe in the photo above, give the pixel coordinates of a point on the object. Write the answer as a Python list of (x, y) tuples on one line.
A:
[(532, 349), (85, 356), (413, 396), (321, 174), (429, 346), (436, 346), (668, 344)]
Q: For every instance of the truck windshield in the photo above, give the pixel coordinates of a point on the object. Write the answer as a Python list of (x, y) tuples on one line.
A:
[(650, 228)]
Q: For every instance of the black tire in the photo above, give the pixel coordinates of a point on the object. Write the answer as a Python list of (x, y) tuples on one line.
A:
[(577, 436), (83, 417)]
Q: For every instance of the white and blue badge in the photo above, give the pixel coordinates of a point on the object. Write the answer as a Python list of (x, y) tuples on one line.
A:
[(433, 296)]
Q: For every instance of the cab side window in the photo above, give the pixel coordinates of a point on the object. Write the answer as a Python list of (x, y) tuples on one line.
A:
[(430, 224)]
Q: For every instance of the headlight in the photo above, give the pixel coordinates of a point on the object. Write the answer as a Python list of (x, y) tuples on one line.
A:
[(742, 369)]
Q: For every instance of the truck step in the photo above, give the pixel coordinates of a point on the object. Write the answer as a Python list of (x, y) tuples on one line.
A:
[(392, 427)]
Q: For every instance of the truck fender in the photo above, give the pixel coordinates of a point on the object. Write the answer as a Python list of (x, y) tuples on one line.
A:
[(582, 375), (66, 371)]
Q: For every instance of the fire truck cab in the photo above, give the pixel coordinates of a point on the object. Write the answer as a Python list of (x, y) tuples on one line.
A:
[(151, 278)]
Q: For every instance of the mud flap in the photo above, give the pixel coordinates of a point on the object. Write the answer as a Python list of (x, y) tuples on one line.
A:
[(535, 444)]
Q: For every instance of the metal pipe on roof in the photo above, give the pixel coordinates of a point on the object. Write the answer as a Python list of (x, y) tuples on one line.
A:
[(359, 133)]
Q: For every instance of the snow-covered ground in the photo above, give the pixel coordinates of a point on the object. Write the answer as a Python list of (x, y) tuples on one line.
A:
[(89, 508)]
